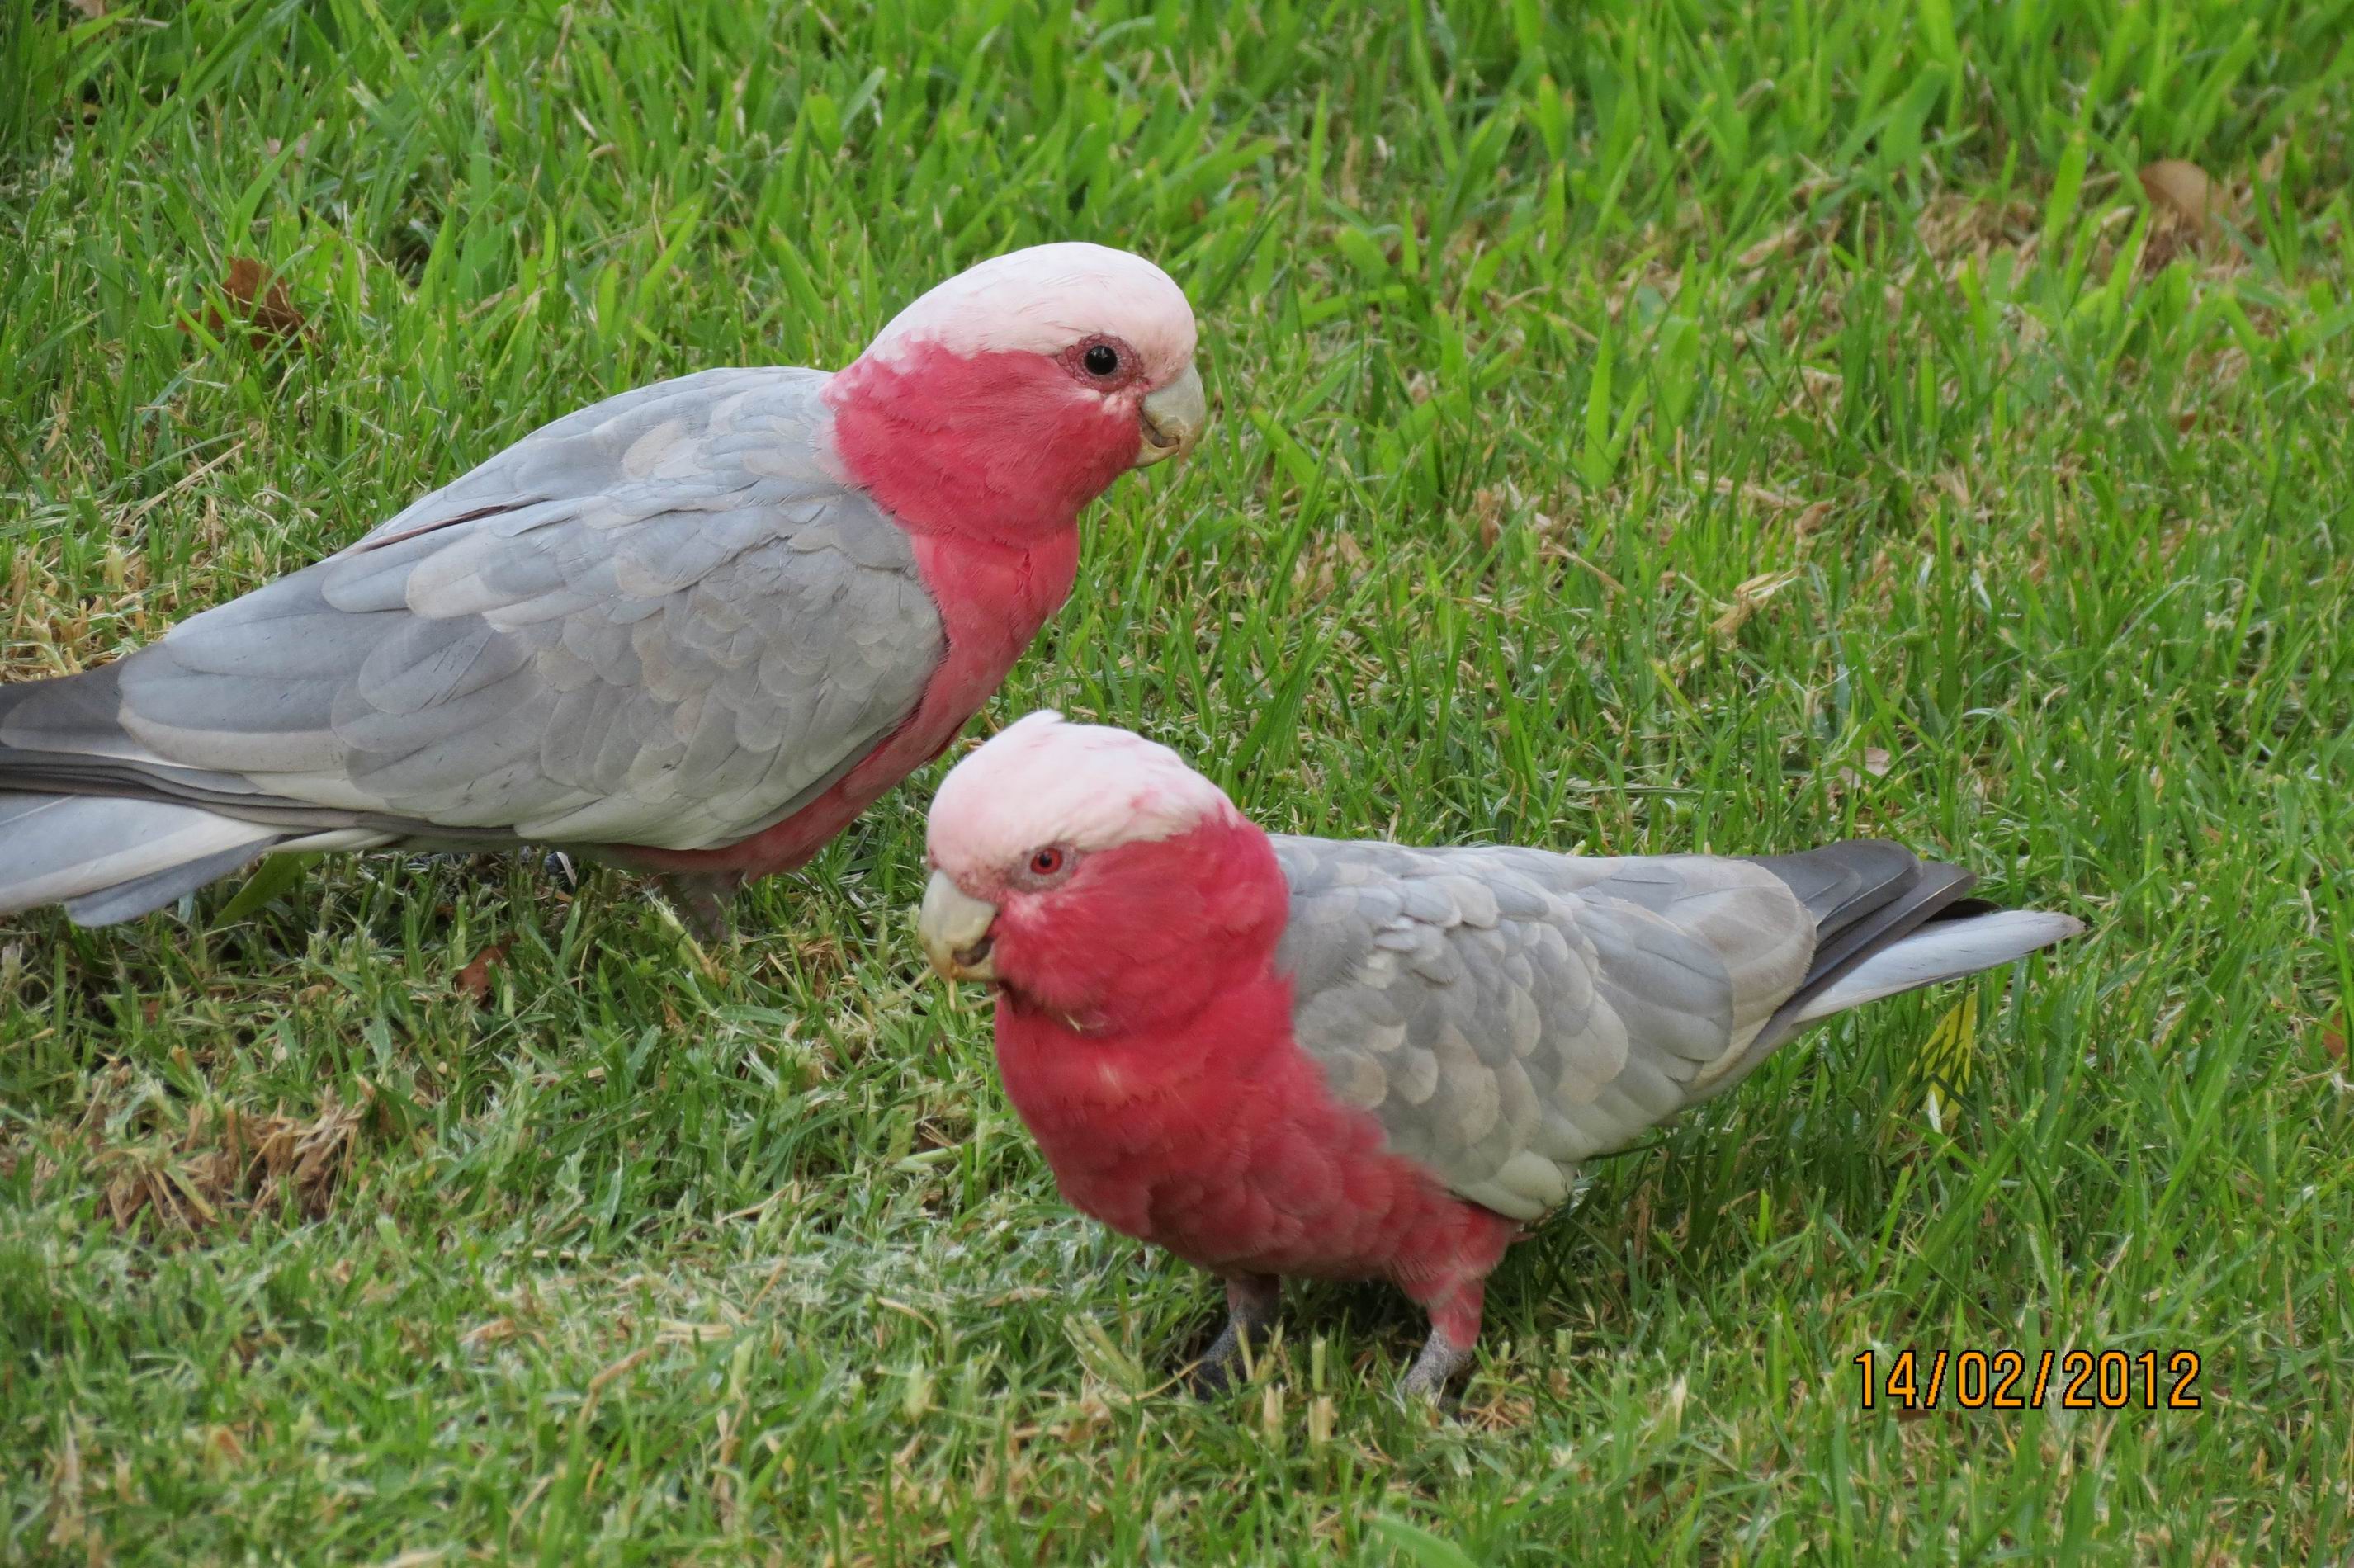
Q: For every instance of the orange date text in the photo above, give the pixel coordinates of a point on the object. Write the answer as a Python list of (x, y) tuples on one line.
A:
[(2019, 1380)]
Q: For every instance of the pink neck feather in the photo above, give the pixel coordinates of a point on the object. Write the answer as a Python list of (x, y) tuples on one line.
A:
[(993, 448), (1145, 1004), (1150, 932)]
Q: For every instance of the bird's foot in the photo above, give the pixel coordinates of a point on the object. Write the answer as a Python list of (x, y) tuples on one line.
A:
[(1432, 1370), (1253, 1301), (701, 898), (1221, 1366)]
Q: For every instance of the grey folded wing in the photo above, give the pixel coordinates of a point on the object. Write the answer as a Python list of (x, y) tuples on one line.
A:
[(1507, 1013), (661, 620)]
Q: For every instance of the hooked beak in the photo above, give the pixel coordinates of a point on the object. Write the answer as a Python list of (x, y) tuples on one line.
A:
[(1171, 419), (954, 929)]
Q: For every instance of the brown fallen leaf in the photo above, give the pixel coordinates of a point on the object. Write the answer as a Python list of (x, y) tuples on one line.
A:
[(1749, 598), (482, 1335), (474, 979), (1876, 764), (2181, 199), (2179, 189), (1488, 506), (262, 301), (2333, 1037)]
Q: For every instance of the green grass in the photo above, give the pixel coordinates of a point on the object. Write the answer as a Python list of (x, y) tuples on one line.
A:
[(1628, 423)]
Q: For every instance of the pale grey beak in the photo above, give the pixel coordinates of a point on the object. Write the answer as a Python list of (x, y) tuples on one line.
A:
[(1172, 418), (954, 929)]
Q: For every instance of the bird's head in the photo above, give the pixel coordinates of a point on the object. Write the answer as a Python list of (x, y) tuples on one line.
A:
[(1092, 876), (1002, 402)]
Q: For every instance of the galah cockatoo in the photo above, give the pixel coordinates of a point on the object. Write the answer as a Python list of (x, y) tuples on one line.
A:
[(1340, 1059), (694, 629)]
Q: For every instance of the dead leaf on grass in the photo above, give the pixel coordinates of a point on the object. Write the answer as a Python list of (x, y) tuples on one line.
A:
[(1749, 597), (261, 301), (2180, 189), (474, 979), (2184, 197), (1875, 764)]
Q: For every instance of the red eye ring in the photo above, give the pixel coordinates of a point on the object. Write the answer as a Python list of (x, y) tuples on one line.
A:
[(1046, 861)]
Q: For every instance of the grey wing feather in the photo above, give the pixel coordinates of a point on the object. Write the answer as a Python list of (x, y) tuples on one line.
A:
[(107, 857), (659, 620), (1507, 1013)]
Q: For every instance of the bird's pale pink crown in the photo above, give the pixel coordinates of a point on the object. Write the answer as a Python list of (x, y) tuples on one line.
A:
[(1046, 782), (1002, 401), (1045, 299)]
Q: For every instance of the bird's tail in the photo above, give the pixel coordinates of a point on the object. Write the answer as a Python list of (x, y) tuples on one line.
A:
[(1886, 922), (1939, 949), (108, 859)]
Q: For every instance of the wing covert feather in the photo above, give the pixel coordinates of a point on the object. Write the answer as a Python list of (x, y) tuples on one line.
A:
[(1507, 1013), (659, 620)]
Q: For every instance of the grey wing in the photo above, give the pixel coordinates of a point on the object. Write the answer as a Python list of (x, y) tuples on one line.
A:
[(659, 621), (1509, 1013)]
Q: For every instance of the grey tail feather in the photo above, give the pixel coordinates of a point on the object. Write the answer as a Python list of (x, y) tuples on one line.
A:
[(1867, 898), (129, 900), (1843, 884), (108, 858), (63, 713), (64, 736)]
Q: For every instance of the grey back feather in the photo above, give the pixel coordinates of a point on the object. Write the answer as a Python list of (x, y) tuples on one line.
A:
[(1507, 1013), (659, 620)]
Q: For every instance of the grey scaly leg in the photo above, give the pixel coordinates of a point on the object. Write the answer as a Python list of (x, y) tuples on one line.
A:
[(1432, 1370), (1455, 1308), (1252, 1302), (702, 898)]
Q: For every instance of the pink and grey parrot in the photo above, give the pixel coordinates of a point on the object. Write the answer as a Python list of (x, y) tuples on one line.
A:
[(694, 629), (1297, 1056)]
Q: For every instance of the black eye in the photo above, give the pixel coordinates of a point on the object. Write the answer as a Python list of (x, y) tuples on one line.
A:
[(1101, 360), (1046, 861)]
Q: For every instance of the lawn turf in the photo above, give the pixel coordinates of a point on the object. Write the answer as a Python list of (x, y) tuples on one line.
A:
[(1653, 428)]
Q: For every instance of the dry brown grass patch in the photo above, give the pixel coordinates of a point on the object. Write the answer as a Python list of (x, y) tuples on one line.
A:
[(180, 1169)]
